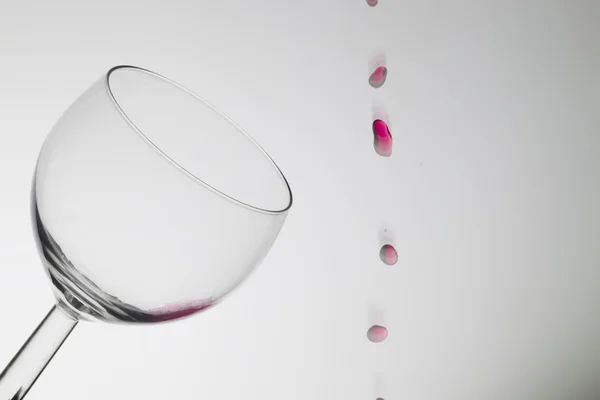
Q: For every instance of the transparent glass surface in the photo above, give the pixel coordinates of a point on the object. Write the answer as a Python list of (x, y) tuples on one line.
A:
[(148, 205)]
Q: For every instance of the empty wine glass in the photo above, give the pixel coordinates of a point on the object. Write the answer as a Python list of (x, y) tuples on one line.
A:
[(148, 205)]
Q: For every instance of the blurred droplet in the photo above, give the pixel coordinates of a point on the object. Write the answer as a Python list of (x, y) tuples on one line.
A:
[(377, 333), (388, 254), (378, 77), (382, 141), (377, 61), (372, 3)]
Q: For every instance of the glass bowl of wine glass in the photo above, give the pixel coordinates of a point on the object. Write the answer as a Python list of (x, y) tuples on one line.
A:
[(148, 205)]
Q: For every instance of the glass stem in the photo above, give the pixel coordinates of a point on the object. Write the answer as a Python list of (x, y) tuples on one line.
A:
[(27, 365)]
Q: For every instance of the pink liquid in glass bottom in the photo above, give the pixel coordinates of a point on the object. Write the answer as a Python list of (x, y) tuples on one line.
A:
[(372, 3), (377, 333), (388, 254), (378, 77), (382, 138), (180, 310)]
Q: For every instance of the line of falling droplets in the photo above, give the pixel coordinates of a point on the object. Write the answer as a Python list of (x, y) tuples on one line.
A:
[(382, 143)]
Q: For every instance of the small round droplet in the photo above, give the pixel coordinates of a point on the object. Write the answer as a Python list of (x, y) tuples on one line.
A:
[(388, 254), (372, 3), (378, 77), (380, 398), (377, 333), (382, 141)]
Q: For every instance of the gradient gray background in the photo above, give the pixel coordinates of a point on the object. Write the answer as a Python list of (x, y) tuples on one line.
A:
[(492, 194)]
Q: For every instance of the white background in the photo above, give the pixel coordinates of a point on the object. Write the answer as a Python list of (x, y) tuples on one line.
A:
[(492, 194)]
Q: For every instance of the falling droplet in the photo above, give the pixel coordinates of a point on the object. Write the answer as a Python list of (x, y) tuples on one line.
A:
[(372, 3), (378, 77), (377, 333), (382, 141), (380, 398), (388, 254)]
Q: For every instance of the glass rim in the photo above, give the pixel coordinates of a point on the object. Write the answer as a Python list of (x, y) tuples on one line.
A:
[(175, 163)]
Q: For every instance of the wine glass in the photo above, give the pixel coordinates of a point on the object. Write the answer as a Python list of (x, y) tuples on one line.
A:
[(148, 205)]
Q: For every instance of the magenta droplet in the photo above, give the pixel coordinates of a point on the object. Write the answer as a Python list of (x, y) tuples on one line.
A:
[(378, 77), (180, 310), (388, 254), (382, 141), (372, 3), (377, 333)]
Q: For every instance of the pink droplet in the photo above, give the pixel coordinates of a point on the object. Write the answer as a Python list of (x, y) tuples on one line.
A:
[(388, 254), (372, 3), (377, 333), (382, 141), (180, 310), (378, 77)]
